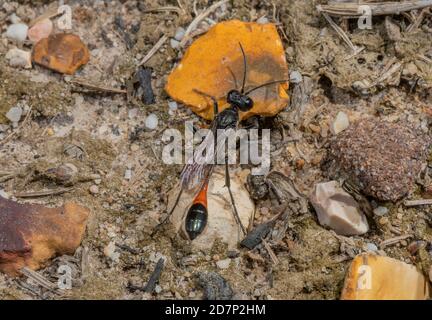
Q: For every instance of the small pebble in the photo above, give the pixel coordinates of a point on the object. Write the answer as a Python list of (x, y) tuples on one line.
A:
[(110, 252), (132, 113), (174, 43), (172, 105), (296, 77), (40, 30), (180, 32), (14, 18), (263, 20), (19, 58), (14, 114), (94, 189), (380, 211), (158, 289), (340, 123), (134, 147), (4, 194), (17, 32), (4, 127), (371, 247), (151, 121), (128, 174), (223, 264)]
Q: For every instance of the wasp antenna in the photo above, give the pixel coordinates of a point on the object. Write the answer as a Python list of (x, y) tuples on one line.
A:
[(266, 84), (244, 67)]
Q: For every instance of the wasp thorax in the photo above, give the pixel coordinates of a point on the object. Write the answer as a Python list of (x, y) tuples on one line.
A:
[(241, 101)]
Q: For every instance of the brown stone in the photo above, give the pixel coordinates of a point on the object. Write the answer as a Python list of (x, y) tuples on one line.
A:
[(381, 158), (372, 277), (62, 52), (30, 234)]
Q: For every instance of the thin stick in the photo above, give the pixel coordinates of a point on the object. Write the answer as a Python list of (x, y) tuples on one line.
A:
[(199, 18), (378, 8), (271, 252), (414, 26), (97, 87), (153, 50), (394, 240), (342, 34), (40, 280), (420, 202), (164, 9), (43, 193)]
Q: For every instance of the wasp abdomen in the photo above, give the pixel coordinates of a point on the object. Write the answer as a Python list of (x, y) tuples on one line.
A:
[(196, 220)]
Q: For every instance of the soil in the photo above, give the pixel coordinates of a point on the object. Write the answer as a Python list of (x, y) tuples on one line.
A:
[(100, 135)]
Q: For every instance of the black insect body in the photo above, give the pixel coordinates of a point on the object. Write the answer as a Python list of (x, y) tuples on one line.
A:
[(196, 175)]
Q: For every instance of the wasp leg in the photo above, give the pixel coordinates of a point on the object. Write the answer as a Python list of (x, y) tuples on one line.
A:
[(215, 104), (157, 228), (228, 185)]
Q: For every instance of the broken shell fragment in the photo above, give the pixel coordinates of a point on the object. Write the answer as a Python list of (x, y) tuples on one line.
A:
[(30, 235), (62, 52), (372, 277), (338, 210), (40, 30), (221, 222), (214, 65)]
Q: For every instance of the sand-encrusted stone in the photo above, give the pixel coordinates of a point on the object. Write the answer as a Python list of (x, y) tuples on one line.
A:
[(383, 159), (30, 235)]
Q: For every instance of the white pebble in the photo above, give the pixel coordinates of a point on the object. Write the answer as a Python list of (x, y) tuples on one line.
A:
[(340, 123), (180, 32), (151, 121), (14, 114), (223, 264), (4, 194), (296, 77), (132, 113), (263, 20), (371, 247), (172, 105), (158, 289), (380, 211), (19, 58), (128, 174), (17, 32), (174, 43), (14, 18)]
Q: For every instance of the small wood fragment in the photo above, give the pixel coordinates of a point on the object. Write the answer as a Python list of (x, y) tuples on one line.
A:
[(394, 240), (154, 278), (420, 202), (43, 193), (351, 10)]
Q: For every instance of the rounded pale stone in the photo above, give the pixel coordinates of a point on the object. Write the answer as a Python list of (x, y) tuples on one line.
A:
[(40, 30), (221, 223)]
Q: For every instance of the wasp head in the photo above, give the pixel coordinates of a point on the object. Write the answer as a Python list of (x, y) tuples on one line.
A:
[(241, 101)]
